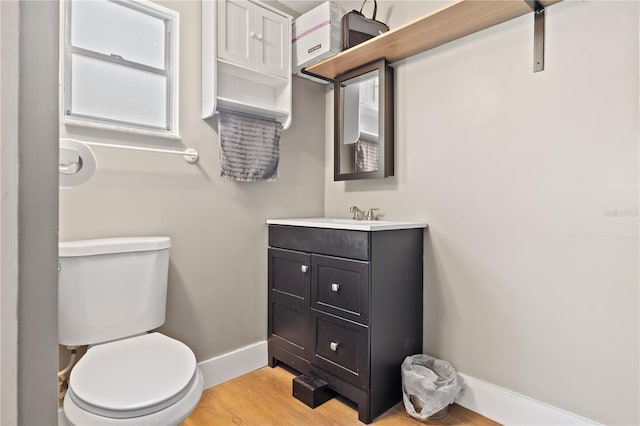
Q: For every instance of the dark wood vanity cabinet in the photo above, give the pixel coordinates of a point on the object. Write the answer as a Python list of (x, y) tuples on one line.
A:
[(346, 306)]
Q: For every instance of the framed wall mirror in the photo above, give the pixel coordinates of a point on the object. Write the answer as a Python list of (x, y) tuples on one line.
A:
[(363, 123)]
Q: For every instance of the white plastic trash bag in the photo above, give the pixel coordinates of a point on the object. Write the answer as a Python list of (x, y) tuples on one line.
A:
[(429, 385)]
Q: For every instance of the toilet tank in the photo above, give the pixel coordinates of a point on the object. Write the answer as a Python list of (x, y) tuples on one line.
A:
[(111, 288)]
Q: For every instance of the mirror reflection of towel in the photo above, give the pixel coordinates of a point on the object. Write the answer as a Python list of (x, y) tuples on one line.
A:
[(366, 154), (249, 147)]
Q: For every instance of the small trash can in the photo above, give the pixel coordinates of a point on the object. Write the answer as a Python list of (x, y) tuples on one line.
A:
[(429, 386)]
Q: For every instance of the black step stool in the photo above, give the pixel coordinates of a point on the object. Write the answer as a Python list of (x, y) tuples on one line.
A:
[(311, 390)]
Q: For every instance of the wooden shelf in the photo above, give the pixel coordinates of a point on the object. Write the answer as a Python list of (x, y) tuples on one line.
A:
[(449, 23)]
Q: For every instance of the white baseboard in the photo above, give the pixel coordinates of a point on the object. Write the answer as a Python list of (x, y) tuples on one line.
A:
[(233, 364), (511, 408), (491, 401), (497, 403), (494, 402)]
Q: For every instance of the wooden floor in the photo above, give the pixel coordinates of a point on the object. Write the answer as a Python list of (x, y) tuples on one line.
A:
[(263, 397)]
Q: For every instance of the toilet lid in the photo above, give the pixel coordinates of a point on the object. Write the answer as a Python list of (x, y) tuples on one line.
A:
[(133, 376)]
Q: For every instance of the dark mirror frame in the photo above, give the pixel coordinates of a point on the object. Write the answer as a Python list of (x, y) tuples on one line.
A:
[(385, 121)]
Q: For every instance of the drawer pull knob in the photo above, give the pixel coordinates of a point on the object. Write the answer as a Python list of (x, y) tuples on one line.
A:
[(335, 287), (333, 346), (304, 268)]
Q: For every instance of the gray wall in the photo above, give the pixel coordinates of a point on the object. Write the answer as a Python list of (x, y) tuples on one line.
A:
[(9, 71), (529, 183), (217, 299), (37, 213)]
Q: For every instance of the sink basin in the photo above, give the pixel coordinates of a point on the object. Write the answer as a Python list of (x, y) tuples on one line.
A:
[(350, 224)]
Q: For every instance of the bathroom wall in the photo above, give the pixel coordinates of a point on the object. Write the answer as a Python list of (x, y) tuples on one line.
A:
[(529, 183), (217, 297), (37, 150), (9, 71)]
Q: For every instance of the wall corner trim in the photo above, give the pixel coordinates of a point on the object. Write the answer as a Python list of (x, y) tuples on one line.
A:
[(233, 364), (511, 408)]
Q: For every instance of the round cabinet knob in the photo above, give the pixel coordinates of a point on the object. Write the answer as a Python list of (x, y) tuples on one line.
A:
[(259, 36), (335, 287), (252, 34), (333, 346), (304, 268)]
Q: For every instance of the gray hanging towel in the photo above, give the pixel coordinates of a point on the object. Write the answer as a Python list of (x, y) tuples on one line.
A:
[(249, 147), (366, 154)]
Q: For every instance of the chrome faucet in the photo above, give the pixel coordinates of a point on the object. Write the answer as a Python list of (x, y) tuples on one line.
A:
[(357, 213), (371, 214), (360, 215)]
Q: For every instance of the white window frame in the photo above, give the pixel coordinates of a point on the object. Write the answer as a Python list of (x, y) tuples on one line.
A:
[(171, 67)]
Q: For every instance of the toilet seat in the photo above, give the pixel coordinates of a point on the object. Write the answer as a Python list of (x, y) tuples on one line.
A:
[(173, 415), (132, 377)]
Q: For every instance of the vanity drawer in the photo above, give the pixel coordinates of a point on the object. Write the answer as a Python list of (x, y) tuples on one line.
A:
[(340, 347), (332, 242), (340, 287)]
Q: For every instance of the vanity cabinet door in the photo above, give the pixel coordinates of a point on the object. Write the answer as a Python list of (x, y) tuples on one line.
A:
[(289, 279), (340, 287), (271, 42)]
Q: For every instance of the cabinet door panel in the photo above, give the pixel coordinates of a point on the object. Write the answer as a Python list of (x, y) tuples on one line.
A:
[(340, 347), (235, 19), (289, 326), (340, 287), (289, 279), (271, 42)]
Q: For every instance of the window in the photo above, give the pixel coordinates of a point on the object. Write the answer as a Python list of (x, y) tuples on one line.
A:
[(120, 66)]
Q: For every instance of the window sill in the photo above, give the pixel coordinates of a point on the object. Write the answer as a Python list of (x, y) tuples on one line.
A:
[(122, 129)]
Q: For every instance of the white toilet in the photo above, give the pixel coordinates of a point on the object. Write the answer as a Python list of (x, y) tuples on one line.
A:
[(110, 293)]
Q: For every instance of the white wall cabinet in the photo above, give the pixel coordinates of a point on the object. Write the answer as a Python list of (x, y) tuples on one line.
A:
[(250, 35), (246, 59)]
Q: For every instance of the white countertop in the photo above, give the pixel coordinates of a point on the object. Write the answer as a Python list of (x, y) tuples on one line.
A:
[(350, 224)]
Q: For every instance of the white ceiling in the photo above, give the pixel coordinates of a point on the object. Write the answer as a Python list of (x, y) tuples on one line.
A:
[(301, 6)]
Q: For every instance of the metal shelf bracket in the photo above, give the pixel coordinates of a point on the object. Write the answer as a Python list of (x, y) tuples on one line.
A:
[(538, 34)]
